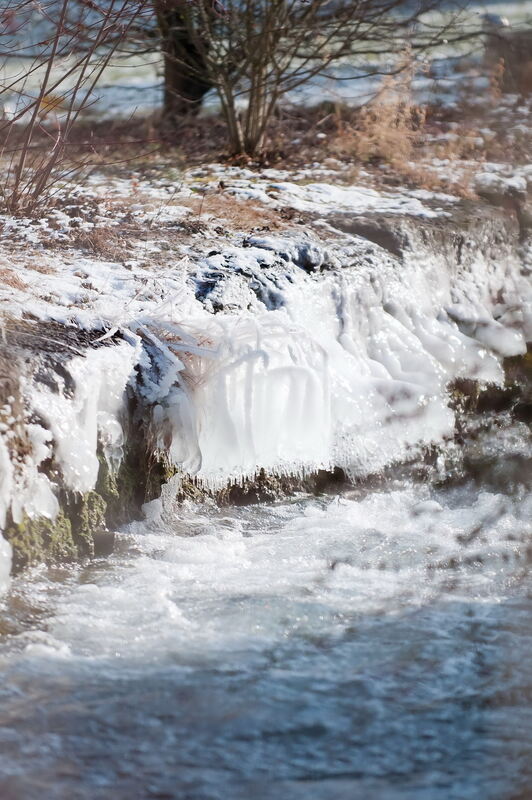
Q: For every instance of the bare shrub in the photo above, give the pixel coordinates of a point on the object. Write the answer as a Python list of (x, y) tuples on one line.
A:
[(256, 51), (56, 72)]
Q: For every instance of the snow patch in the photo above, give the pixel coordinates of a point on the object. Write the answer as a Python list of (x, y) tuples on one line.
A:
[(325, 198)]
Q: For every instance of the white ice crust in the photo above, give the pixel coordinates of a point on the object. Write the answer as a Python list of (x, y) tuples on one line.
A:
[(92, 412)]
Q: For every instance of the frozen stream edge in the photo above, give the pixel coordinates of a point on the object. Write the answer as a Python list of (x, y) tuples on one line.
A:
[(285, 354)]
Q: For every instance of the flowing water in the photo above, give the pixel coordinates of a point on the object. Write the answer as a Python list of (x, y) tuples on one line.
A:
[(372, 646)]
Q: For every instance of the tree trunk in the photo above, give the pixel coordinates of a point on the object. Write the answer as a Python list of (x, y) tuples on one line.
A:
[(185, 73)]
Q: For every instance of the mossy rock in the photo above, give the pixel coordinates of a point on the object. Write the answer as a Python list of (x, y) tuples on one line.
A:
[(78, 531), (138, 480), (88, 518), (518, 369), (41, 540), (159, 472), (106, 484), (59, 540)]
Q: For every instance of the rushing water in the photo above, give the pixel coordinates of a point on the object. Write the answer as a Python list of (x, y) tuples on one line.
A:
[(371, 646)]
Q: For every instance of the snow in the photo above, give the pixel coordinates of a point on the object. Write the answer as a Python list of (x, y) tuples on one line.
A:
[(323, 197), (494, 182)]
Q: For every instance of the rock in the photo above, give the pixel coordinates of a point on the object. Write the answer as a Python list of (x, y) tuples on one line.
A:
[(384, 232)]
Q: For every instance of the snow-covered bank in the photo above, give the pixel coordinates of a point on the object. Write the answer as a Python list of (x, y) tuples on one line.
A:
[(286, 352)]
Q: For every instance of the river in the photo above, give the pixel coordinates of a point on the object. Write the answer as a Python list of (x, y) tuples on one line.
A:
[(367, 644)]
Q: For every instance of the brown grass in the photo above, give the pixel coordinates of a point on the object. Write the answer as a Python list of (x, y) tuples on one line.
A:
[(226, 209), (103, 242), (218, 210), (391, 126), (395, 132), (43, 269), (10, 278)]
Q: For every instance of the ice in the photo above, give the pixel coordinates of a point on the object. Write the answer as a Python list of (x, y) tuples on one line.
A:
[(317, 367), (73, 424), (76, 422)]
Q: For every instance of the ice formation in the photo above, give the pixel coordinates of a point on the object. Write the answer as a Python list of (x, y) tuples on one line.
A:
[(91, 413), (71, 423), (344, 366), (283, 353)]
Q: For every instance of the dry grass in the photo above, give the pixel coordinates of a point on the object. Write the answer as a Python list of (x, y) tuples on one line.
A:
[(226, 209), (392, 131), (496, 79), (214, 211), (104, 242), (43, 269), (398, 135), (404, 165), (11, 279), (391, 126)]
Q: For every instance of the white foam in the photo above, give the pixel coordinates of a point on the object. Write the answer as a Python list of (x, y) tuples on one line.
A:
[(209, 584)]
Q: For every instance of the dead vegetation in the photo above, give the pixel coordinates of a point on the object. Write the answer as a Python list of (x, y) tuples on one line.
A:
[(214, 212), (103, 242), (225, 209), (391, 126), (11, 279)]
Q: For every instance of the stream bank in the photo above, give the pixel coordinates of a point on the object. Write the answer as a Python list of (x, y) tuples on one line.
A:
[(284, 362)]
